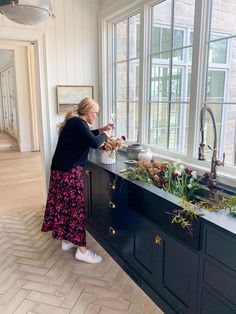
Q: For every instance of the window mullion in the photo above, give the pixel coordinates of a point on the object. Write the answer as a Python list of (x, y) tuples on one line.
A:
[(198, 77), (143, 75)]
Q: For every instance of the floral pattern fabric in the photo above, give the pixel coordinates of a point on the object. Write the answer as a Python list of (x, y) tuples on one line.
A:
[(64, 213)]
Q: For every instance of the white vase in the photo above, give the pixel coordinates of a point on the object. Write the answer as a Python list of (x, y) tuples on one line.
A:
[(106, 158), (145, 154)]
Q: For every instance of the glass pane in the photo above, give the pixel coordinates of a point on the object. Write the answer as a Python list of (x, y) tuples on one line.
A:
[(190, 51), (174, 127), (121, 41), (121, 81), (178, 55), (133, 122), (229, 134), (179, 117), (215, 85), (218, 51), (223, 17), (189, 83), (160, 78), (158, 125), (184, 13), (161, 36), (176, 84), (178, 38), (134, 36), (121, 119), (161, 41), (231, 81), (134, 80)]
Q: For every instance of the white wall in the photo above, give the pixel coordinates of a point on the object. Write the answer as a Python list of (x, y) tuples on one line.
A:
[(71, 48), (68, 54)]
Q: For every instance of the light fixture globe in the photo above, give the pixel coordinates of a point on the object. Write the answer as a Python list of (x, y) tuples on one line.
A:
[(28, 12)]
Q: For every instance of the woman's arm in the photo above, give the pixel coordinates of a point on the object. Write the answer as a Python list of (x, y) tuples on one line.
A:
[(105, 128)]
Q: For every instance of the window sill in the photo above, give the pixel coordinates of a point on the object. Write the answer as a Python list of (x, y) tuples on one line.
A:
[(225, 175)]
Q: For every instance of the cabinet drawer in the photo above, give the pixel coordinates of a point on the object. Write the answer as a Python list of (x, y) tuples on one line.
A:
[(211, 305), (113, 200), (117, 232), (221, 281), (114, 227), (221, 247), (112, 183)]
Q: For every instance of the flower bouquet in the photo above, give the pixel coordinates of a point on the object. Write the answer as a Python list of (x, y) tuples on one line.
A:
[(109, 149), (171, 177)]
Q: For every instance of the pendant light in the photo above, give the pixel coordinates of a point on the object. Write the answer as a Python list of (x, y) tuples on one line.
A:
[(28, 12)]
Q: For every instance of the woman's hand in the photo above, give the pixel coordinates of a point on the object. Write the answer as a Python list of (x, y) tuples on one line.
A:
[(107, 127)]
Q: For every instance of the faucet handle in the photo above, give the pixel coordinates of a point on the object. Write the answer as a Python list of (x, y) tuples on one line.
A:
[(223, 160), (201, 152)]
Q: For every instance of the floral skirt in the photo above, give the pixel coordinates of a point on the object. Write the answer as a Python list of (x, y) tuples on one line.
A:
[(64, 213)]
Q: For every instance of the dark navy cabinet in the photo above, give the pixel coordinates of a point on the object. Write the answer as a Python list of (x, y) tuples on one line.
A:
[(218, 276), (106, 207), (183, 274), (168, 265)]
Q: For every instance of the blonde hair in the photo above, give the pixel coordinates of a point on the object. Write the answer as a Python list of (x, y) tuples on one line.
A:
[(86, 105)]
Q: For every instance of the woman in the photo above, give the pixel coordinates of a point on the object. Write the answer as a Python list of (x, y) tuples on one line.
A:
[(64, 213)]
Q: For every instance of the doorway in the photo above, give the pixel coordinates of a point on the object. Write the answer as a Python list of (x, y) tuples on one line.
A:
[(21, 123), (8, 116)]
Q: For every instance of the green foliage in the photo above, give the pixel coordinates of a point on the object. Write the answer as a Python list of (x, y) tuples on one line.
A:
[(139, 173), (185, 215), (182, 182), (231, 205)]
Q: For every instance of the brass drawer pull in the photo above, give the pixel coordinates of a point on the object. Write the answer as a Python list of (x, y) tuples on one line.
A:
[(112, 205), (158, 240), (112, 186), (112, 230)]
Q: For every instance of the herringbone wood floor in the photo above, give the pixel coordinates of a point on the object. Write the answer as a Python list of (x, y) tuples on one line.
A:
[(36, 276)]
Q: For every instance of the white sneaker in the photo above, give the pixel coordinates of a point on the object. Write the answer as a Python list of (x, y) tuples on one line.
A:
[(88, 256), (65, 246)]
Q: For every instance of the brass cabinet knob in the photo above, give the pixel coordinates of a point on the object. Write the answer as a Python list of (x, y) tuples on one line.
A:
[(112, 205), (87, 172), (158, 240), (112, 230), (112, 186)]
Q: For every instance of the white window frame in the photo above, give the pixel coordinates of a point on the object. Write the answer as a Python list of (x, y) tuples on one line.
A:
[(121, 10)]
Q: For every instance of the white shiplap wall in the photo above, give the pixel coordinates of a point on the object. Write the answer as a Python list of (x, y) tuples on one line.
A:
[(71, 50), (70, 53)]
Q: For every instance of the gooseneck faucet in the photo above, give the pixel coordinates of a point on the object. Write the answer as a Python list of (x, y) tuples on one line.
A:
[(201, 150)]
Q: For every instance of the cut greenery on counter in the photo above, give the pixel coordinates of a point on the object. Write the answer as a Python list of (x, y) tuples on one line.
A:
[(184, 183)]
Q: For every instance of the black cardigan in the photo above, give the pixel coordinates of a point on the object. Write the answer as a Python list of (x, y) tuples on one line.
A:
[(74, 143)]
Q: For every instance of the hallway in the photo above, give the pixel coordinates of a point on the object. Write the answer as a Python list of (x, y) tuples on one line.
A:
[(20, 177), (36, 276)]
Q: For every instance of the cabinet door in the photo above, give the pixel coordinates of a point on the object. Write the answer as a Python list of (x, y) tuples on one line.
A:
[(147, 249), (180, 275), (94, 200), (170, 267), (91, 191), (212, 305)]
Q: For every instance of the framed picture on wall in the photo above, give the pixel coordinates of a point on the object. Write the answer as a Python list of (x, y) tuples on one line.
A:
[(68, 96)]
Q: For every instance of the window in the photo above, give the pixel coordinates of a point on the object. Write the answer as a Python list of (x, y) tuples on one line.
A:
[(170, 76), (220, 84), (126, 62), (166, 66)]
